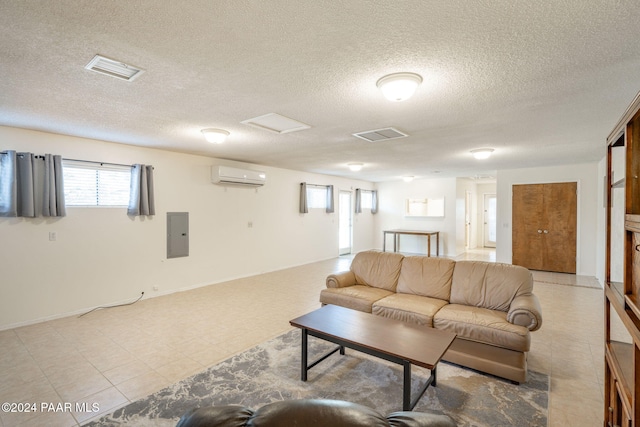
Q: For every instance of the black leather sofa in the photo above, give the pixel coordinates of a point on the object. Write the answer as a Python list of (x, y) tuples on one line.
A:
[(308, 413)]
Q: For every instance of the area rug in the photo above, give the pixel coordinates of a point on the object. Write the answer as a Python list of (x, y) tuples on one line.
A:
[(271, 372)]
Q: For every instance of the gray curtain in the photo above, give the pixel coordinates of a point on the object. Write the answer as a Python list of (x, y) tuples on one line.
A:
[(53, 187), (16, 184), (304, 205), (374, 201), (358, 201), (330, 204), (141, 198)]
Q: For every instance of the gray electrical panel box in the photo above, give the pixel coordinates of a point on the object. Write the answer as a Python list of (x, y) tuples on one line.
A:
[(177, 234)]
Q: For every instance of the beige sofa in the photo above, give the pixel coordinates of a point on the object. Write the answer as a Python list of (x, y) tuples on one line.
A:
[(490, 306)]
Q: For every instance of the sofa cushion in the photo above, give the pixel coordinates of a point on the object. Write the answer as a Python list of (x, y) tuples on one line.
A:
[(489, 285), (377, 269), (482, 325), (409, 308), (426, 276), (357, 297)]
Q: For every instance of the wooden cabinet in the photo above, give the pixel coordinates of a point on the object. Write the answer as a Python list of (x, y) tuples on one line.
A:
[(622, 273)]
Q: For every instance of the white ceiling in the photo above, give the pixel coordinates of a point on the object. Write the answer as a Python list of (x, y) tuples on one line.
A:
[(542, 82)]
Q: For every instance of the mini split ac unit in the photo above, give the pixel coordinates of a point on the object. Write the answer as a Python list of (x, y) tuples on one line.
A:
[(226, 175)]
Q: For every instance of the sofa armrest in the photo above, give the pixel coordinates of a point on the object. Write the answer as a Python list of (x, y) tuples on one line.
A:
[(341, 280), (525, 311)]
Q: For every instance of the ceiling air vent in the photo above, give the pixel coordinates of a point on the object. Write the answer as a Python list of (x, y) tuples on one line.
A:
[(380, 134), (114, 68), (276, 123)]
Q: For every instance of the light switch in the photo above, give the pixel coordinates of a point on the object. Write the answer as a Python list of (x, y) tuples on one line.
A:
[(53, 236)]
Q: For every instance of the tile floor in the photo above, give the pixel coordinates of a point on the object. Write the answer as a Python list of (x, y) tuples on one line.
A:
[(115, 356)]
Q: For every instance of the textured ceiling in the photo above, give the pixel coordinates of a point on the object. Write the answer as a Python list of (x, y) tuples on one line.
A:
[(543, 83)]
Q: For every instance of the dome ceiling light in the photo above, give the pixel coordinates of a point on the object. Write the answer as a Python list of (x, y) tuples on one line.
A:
[(482, 153), (215, 136), (399, 86)]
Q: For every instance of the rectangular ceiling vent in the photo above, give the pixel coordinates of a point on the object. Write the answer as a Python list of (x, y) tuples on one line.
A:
[(114, 68), (276, 123), (380, 134)]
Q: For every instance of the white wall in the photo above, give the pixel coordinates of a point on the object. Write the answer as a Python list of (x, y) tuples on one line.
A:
[(393, 196), (102, 256), (589, 190)]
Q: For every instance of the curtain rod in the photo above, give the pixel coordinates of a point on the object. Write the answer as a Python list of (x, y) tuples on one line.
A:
[(315, 185), (76, 160), (97, 163)]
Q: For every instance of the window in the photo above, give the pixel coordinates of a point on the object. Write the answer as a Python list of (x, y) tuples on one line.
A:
[(317, 197), (94, 184), (366, 199)]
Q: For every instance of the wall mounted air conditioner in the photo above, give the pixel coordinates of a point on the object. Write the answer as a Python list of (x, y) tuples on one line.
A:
[(226, 175)]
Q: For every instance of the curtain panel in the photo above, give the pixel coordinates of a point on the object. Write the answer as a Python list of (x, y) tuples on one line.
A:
[(142, 197), (304, 204), (17, 184), (330, 202), (53, 204), (358, 200), (374, 201)]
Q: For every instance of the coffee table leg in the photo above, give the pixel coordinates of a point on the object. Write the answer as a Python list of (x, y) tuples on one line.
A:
[(303, 372), (433, 374), (406, 387), (407, 403)]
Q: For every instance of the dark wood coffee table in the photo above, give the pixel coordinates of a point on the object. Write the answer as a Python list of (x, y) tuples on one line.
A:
[(389, 339)]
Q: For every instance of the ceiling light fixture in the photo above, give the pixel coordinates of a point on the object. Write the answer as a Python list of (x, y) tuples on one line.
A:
[(399, 86), (355, 167), (215, 136), (482, 153), (407, 178)]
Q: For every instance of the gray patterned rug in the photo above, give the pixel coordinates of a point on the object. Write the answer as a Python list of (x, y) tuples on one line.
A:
[(271, 372)]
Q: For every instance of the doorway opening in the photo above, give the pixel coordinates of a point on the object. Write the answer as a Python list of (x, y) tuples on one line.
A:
[(489, 223), (467, 220), (345, 227)]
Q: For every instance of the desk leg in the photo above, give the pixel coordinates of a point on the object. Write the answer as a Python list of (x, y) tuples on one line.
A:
[(303, 372), (395, 242), (384, 241), (438, 244), (428, 245)]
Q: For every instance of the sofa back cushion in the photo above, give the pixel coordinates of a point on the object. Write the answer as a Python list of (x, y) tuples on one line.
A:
[(377, 269), (426, 276), (489, 285)]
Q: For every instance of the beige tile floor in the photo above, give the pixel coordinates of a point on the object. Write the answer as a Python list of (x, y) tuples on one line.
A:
[(115, 356)]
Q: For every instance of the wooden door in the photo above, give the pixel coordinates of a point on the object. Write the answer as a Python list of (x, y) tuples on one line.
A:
[(545, 226), (527, 211)]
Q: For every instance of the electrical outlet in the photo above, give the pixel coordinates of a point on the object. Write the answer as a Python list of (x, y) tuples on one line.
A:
[(155, 288), (53, 236), (250, 224)]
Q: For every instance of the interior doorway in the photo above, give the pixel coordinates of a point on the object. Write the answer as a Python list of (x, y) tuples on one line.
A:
[(345, 228), (489, 221), (467, 220)]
